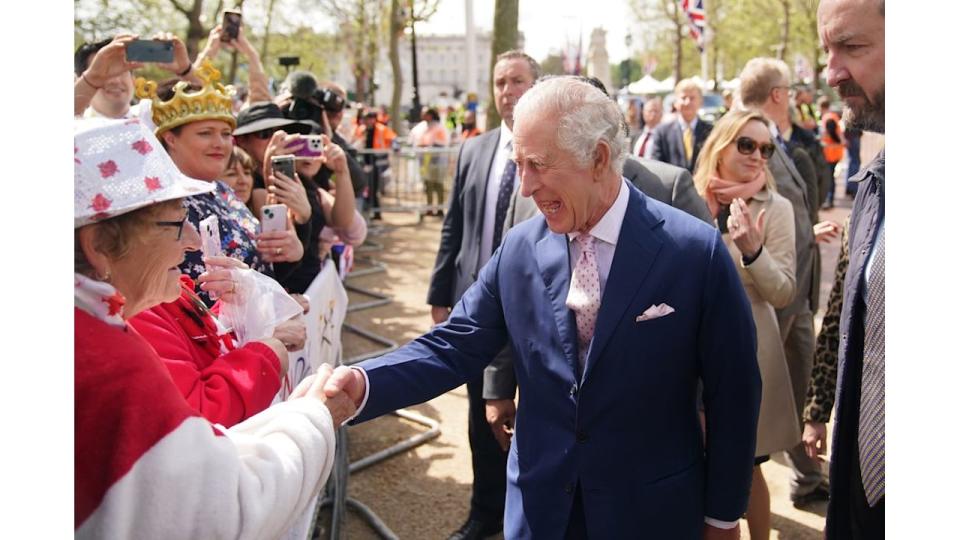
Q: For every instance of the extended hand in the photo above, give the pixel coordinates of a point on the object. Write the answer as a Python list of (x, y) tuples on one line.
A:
[(346, 381), (292, 333), (826, 231), (340, 405), (280, 246), (815, 439), (439, 314), (500, 415), (290, 191), (110, 61)]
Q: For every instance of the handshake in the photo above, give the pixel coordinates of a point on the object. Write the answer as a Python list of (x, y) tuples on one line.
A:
[(341, 390)]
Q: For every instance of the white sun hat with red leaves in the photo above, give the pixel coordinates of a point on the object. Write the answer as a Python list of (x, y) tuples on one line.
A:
[(120, 166)]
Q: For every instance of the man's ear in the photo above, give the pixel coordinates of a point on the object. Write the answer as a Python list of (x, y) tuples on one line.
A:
[(602, 156)]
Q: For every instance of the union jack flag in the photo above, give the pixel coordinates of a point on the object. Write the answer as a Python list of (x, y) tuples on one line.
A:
[(697, 16)]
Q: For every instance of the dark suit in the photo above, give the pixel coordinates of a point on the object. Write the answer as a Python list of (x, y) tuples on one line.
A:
[(627, 431), (664, 182), (456, 268), (865, 219), (668, 143)]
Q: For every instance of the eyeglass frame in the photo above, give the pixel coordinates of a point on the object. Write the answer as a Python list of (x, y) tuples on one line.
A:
[(742, 141), (178, 224)]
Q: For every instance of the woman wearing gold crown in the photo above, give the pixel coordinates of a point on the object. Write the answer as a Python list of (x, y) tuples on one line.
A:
[(196, 129)]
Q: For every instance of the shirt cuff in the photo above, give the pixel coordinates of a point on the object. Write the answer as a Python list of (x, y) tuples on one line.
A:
[(366, 395), (720, 524)]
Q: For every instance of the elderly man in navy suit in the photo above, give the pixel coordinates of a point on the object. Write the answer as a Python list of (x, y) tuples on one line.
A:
[(614, 305)]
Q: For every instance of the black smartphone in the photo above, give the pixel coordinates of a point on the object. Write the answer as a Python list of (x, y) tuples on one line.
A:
[(150, 50), (232, 19), (285, 165)]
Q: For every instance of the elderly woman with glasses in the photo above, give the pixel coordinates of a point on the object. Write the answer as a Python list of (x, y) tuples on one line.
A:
[(758, 230), (146, 464)]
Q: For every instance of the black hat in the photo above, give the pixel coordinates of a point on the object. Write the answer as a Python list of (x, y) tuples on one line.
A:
[(265, 115)]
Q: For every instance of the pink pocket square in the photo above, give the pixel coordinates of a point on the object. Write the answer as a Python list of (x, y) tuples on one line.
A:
[(654, 312)]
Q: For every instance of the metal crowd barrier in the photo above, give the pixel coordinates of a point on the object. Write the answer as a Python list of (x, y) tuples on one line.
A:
[(417, 180), (335, 495)]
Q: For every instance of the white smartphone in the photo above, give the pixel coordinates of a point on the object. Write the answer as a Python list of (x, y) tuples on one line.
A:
[(273, 217), (210, 237)]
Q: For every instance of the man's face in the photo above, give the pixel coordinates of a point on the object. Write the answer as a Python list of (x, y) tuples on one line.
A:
[(851, 32), (652, 113), (113, 100), (511, 78), (566, 193), (688, 103)]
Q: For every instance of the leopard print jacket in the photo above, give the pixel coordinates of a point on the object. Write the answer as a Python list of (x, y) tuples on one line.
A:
[(823, 379)]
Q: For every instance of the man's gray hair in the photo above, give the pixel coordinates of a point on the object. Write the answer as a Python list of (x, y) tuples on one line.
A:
[(585, 116)]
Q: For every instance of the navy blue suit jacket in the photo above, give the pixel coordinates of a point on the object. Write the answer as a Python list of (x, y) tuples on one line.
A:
[(627, 432), (668, 143)]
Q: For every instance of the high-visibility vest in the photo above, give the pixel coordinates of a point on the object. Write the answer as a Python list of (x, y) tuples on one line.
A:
[(382, 135), (832, 150)]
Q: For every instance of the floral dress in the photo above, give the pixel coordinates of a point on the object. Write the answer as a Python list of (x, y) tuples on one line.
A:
[(238, 230)]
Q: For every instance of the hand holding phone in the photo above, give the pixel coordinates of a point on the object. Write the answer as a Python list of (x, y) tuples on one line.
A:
[(159, 51), (210, 237), (273, 217), (232, 19), (285, 165)]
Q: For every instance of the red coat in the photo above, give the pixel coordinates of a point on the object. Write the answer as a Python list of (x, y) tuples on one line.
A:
[(225, 388)]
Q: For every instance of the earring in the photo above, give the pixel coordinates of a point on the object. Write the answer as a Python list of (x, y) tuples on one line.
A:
[(105, 277)]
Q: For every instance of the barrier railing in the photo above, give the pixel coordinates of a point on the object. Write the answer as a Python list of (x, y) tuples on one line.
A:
[(417, 180)]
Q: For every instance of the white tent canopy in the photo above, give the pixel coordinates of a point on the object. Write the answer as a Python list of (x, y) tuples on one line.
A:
[(646, 85)]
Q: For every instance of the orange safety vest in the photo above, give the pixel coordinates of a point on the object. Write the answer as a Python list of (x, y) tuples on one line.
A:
[(832, 150), (382, 135)]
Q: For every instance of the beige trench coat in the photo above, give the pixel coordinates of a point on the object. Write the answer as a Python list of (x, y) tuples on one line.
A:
[(770, 282)]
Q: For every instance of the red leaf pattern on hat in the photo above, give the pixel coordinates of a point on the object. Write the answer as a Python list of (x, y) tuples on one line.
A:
[(107, 168), (152, 183), (142, 146), (100, 203), (75, 160)]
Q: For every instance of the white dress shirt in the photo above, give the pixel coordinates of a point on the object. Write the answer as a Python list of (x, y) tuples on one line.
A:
[(500, 158)]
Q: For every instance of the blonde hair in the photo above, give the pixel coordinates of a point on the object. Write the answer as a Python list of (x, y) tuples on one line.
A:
[(759, 77), (724, 133), (687, 84)]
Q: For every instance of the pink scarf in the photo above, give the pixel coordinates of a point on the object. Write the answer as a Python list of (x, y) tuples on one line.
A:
[(722, 192)]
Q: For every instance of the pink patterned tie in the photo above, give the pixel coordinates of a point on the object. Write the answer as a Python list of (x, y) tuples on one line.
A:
[(584, 295)]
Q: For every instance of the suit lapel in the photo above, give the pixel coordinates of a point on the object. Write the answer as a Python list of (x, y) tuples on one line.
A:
[(637, 249), (554, 263), (478, 197)]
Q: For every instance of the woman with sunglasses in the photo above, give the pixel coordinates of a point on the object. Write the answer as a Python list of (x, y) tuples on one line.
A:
[(758, 230)]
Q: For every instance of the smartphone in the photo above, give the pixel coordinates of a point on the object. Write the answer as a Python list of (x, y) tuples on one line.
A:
[(150, 50), (312, 146), (232, 19), (210, 237), (273, 217), (285, 165)]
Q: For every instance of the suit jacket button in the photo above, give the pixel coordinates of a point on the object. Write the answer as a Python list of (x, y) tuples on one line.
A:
[(568, 488), (581, 437)]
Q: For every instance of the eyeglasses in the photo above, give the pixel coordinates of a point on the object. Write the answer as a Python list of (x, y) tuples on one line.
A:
[(178, 224), (747, 146)]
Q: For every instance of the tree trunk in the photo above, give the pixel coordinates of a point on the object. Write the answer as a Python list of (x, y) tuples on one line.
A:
[(784, 30), (505, 35), (266, 34), (396, 29), (678, 62)]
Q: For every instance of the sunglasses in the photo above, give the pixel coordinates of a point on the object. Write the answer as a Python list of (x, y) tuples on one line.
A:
[(747, 146), (178, 224)]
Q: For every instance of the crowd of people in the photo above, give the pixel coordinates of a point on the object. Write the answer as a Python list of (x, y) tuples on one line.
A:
[(652, 297)]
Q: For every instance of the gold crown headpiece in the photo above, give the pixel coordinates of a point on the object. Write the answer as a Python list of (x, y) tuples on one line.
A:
[(212, 102)]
